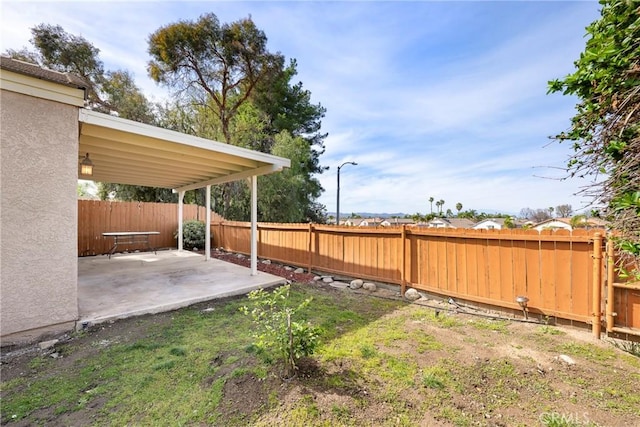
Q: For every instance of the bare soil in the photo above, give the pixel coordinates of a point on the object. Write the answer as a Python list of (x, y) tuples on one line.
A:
[(592, 391)]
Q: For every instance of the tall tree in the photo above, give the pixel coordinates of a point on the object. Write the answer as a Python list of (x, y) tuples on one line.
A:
[(125, 98), (289, 196), (564, 211), (431, 199), (217, 65), (67, 53), (458, 207), (241, 93), (108, 91), (537, 215), (605, 131)]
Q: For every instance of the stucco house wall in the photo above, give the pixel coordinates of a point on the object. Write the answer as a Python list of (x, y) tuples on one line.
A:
[(38, 208)]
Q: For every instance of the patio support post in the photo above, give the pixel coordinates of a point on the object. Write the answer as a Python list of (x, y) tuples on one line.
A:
[(207, 229), (254, 225), (180, 215)]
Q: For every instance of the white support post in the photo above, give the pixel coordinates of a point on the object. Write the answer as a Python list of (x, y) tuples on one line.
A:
[(207, 243), (254, 225), (180, 216)]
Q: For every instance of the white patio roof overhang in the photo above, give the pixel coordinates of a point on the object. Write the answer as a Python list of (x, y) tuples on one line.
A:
[(128, 152)]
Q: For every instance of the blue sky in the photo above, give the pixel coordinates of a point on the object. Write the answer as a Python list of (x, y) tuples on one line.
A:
[(442, 99)]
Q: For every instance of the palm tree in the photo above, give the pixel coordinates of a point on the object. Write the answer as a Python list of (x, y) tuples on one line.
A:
[(459, 207), (441, 206), (431, 199), (578, 221), (509, 223)]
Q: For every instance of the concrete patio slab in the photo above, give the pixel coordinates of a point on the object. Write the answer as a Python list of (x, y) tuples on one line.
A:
[(140, 283)]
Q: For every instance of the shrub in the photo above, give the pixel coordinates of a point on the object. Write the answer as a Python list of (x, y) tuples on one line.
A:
[(275, 330), (193, 234)]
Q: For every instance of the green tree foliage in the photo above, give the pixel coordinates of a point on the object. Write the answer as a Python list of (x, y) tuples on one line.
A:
[(108, 92), (124, 97), (217, 65), (605, 131), (288, 108), (82, 189), (509, 222), (290, 196), (111, 91), (237, 91)]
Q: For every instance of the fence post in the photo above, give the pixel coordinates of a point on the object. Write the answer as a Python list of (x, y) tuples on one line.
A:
[(310, 248), (596, 326), (610, 288), (403, 265)]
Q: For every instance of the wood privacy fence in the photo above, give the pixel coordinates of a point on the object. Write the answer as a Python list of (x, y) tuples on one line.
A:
[(96, 217), (563, 274)]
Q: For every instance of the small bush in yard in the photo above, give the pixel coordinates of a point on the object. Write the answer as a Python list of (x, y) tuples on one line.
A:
[(193, 234), (276, 331)]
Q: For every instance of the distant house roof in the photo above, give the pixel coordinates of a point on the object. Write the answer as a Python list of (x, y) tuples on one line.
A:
[(398, 221), (553, 223), (567, 223), (451, 223), (497, 221), (34, 70)]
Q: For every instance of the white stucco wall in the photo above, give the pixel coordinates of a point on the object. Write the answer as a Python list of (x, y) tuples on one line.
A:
[(38, 216)]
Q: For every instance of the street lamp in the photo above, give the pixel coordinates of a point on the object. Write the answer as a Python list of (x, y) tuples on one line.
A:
[(338, 196)]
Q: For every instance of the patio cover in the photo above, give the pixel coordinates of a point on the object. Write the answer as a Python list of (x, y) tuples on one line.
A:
[(128, 152)]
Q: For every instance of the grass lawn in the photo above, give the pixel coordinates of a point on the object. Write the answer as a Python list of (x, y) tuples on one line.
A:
[(381, 362)]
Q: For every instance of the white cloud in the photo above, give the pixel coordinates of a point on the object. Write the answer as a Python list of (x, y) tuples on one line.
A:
[(430, 98)]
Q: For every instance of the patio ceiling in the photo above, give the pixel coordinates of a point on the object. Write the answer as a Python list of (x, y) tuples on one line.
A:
[(128, 152)]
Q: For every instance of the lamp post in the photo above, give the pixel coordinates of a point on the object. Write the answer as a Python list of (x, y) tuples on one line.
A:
[(338, 195)]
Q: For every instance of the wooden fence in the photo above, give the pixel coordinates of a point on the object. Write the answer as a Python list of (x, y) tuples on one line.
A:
[(97, 217), (563, 274)]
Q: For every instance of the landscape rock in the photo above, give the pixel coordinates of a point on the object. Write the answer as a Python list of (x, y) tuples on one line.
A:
[(299, 270), (327, 279), (356, 284), (317, 278), (45, 345), (339, 285), (412, 295), (286, 267), (239, 256), (266, 261), (566, 359), (368, 286)]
